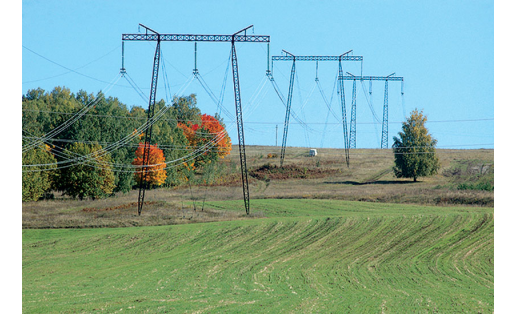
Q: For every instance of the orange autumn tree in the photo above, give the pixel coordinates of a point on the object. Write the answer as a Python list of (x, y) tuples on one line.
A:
[(156, 173), (189, 130), (210, 138), (220, 136)]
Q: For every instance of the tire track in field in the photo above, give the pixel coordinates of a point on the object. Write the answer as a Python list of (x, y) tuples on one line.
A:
[(382, 248)]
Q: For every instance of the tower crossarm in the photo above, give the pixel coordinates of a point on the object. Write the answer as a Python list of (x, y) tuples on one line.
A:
[(372, 78), (191, 37), (317, 58)]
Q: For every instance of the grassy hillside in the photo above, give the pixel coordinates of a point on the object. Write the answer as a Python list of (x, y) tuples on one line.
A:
[(306, 256)]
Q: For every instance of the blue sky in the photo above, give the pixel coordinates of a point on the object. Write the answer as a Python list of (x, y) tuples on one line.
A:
[(443, 49)]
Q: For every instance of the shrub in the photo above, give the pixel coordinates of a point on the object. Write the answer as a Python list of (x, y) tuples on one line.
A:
[(482, 186)]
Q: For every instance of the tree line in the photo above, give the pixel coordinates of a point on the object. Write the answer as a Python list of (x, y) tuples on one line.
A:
[(84, 160)]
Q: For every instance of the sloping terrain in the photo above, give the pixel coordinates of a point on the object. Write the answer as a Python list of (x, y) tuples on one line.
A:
[(306, 256)]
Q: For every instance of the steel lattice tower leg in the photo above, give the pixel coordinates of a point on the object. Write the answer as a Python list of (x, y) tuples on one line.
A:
[(148, 132), (353, 124), (287, 113), (344, 120), (240, 127), (385, 124)]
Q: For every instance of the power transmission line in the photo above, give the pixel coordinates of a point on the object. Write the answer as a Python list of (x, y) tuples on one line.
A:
[(260, 122)]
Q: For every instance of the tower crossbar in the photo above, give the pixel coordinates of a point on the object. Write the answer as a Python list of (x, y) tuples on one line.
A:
[(317, 58), (194, 38)]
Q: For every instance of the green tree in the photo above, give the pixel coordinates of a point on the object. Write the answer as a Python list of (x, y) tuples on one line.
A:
[(88, 178), (185, 109), (37, 180), (108, 122), (414, 150)]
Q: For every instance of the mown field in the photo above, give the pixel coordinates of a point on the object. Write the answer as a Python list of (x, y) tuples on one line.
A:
[(302, 256)]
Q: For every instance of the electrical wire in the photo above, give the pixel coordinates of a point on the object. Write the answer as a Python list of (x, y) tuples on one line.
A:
[(73, 119)]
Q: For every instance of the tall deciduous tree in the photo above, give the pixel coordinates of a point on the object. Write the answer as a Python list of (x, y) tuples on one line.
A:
[(36, 181), (414, 150), (92, 177), (210, 137), (155, 173), (216, 132)]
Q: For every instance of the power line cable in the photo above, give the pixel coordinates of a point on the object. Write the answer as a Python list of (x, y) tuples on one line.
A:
[(65, 67), (73, 119), (47, 78)]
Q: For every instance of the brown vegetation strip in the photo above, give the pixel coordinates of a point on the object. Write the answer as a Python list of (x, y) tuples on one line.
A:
[(273, 172), (123, 206)]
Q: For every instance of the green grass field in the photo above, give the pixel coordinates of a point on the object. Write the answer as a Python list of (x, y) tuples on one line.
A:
[(305, 255)]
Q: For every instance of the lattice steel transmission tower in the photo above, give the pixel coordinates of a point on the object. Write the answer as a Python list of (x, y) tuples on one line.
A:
[(385, 122), (290, 57), (151, 35)]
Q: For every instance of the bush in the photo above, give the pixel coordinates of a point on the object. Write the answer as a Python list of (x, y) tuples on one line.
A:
[(482, 186)]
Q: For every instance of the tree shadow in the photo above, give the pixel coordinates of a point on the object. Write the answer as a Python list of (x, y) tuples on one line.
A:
[(381, 182)]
